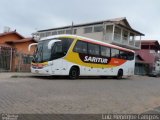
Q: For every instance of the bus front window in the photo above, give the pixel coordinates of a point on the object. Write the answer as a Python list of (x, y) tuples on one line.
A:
[(42, 53), (48, 50)]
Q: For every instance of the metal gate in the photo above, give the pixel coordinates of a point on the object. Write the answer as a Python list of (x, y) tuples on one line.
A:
[(5, 58), (13, 60), (141, 69)]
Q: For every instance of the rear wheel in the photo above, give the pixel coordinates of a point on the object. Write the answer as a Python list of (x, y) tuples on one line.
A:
[(120, 74), (74, 73)]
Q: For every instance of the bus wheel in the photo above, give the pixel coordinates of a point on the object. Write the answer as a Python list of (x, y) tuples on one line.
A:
[(74, 73), (120, 74)]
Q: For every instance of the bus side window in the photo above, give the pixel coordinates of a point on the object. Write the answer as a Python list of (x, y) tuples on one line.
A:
[(114, 53), (130, 56), (105, 51), (93, 49), (66, 43), (126, 55), (80, 47), (123, 55)]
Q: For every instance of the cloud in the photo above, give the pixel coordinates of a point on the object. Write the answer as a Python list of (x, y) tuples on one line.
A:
[(27, 16)]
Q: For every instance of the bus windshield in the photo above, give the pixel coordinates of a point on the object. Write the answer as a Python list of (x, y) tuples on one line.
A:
[(42, 53), (58, 50)]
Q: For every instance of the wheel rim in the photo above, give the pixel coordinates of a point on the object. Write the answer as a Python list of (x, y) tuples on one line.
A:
[(74, 73)]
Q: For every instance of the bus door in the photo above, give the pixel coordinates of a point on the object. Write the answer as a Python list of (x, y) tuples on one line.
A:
[(56, 55)]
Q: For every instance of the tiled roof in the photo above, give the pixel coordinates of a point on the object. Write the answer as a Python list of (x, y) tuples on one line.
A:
[(153, 42), (12, 32), (149, 40), (22, 40)]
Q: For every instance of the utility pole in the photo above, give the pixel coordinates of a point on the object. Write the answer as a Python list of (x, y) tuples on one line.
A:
[(72, 28)]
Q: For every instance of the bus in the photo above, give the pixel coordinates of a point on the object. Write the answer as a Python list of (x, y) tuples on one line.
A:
[(74, 56)]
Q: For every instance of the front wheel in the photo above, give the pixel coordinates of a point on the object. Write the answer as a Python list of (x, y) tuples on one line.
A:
[(74, 73)]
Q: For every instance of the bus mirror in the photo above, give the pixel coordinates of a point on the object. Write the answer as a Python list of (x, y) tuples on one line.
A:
[(51, 43), (29, 47)]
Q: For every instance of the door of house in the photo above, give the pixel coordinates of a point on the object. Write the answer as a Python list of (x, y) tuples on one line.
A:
[(5, 58)]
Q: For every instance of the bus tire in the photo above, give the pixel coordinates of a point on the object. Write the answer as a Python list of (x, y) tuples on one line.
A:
[(74, 73), (120, 74)]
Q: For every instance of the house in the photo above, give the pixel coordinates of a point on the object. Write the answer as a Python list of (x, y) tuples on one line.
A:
[(23, 57), (148, 58), (115, 31), (14, 52)]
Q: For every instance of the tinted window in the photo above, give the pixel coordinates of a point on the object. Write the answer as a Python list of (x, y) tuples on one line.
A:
[(93, 49), (60, 49), (42, 34), (66, 43), (88, 30), (98, 28), (130, 56), (57, 51), (48, 33), (80, 47), (126, 55), (123, 55), (105, 51), (54, 33), (109, 28), (68, 31), (61, 32), (46, 53), (57, 47), (114, 53)]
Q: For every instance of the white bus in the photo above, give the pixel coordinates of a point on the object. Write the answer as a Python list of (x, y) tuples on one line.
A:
[(74, 56)]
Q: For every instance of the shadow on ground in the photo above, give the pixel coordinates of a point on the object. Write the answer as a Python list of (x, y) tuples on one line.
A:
[(80, 78)]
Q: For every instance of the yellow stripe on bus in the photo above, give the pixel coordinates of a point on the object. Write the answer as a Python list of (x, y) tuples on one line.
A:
[(74, 58)]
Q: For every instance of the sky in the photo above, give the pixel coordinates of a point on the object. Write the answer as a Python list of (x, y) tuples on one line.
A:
[(29, 16)]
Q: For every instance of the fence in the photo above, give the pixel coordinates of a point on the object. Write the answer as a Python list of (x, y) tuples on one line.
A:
[(22, 62), (12, 60)]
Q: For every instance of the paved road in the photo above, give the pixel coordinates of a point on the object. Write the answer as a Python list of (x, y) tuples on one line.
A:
[(58, 95)]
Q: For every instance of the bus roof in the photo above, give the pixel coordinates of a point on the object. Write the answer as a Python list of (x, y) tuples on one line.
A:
[(86, 39)]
